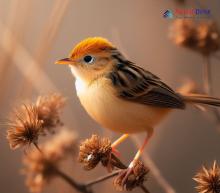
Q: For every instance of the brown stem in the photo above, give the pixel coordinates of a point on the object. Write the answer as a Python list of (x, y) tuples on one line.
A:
[(207, 75), (102, 178), (207, 82), (37, 147), (84, 188), (144, 189), (80, 187), (111, 175), (117, 162)]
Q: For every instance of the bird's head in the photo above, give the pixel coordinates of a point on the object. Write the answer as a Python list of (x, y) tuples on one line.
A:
[(90, 58)]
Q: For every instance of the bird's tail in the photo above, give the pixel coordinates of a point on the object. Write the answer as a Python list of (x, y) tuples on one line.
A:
[(201, 99)]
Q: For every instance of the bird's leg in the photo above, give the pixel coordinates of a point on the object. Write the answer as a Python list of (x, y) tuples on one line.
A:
[(117, 142), (115, 151), (125, 174), (139, 152)]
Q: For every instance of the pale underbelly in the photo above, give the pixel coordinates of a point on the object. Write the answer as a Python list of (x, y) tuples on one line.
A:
[(119, 115)]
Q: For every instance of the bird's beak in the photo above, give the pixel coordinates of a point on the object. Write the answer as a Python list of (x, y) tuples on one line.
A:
[(65, 61)]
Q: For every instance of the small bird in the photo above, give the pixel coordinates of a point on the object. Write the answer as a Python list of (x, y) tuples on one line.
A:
[(120, 95)]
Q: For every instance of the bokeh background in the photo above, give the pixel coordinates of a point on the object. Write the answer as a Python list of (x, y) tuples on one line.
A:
[(35, 33)]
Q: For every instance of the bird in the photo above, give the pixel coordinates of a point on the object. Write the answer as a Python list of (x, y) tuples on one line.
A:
[(120, 95)]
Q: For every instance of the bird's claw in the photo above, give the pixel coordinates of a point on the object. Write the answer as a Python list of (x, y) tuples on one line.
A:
[(133, 176), (124, 175)]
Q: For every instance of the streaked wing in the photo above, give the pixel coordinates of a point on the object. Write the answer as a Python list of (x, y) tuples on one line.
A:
[(138, 85)]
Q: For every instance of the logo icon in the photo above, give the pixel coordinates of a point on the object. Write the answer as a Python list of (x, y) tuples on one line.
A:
[(168, 14)]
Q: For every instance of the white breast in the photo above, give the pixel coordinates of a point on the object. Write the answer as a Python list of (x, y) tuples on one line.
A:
[(79, 83), (80, 86)]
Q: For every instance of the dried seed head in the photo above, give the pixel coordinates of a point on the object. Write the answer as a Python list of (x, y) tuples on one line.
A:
[(208, 180), (49, 108), (94, 150), (30, 121), (41, 167), (24, 127), (208, 37), (183, 32), (203, 37), (135, 179)]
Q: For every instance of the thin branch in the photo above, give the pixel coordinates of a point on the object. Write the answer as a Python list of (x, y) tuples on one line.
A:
[(17, 23), (21, 57), (46, 41), (207, 75), (83, 188), (117, 162), (108, 176), (102, 178), (38, 148), (207, 83), (80, 187), (144, 189), (50, 30)]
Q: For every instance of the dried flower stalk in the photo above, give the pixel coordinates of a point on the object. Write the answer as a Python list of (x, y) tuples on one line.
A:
[(47, 39)]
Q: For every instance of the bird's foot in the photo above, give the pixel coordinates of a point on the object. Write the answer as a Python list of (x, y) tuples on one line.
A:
[(133, 176), (125, 175)]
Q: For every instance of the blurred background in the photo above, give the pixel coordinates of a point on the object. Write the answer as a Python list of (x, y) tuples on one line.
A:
[(34, 34)]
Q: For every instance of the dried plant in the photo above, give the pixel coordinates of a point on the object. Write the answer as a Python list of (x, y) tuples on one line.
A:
[(48, 109), (41, 167), (203, 37), (24, 127), (208, 180), (95, 150), (136, 178), (32, 120)]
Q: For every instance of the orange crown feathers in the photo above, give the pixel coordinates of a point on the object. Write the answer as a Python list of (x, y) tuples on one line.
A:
[(90, 45)]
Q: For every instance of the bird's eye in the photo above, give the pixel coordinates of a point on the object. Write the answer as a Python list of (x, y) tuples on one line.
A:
[(88, 59)]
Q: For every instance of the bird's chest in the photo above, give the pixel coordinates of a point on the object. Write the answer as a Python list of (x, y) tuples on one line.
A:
[(97, 99)]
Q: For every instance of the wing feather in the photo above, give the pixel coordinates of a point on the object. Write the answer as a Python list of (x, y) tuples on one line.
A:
[(135, 84)]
